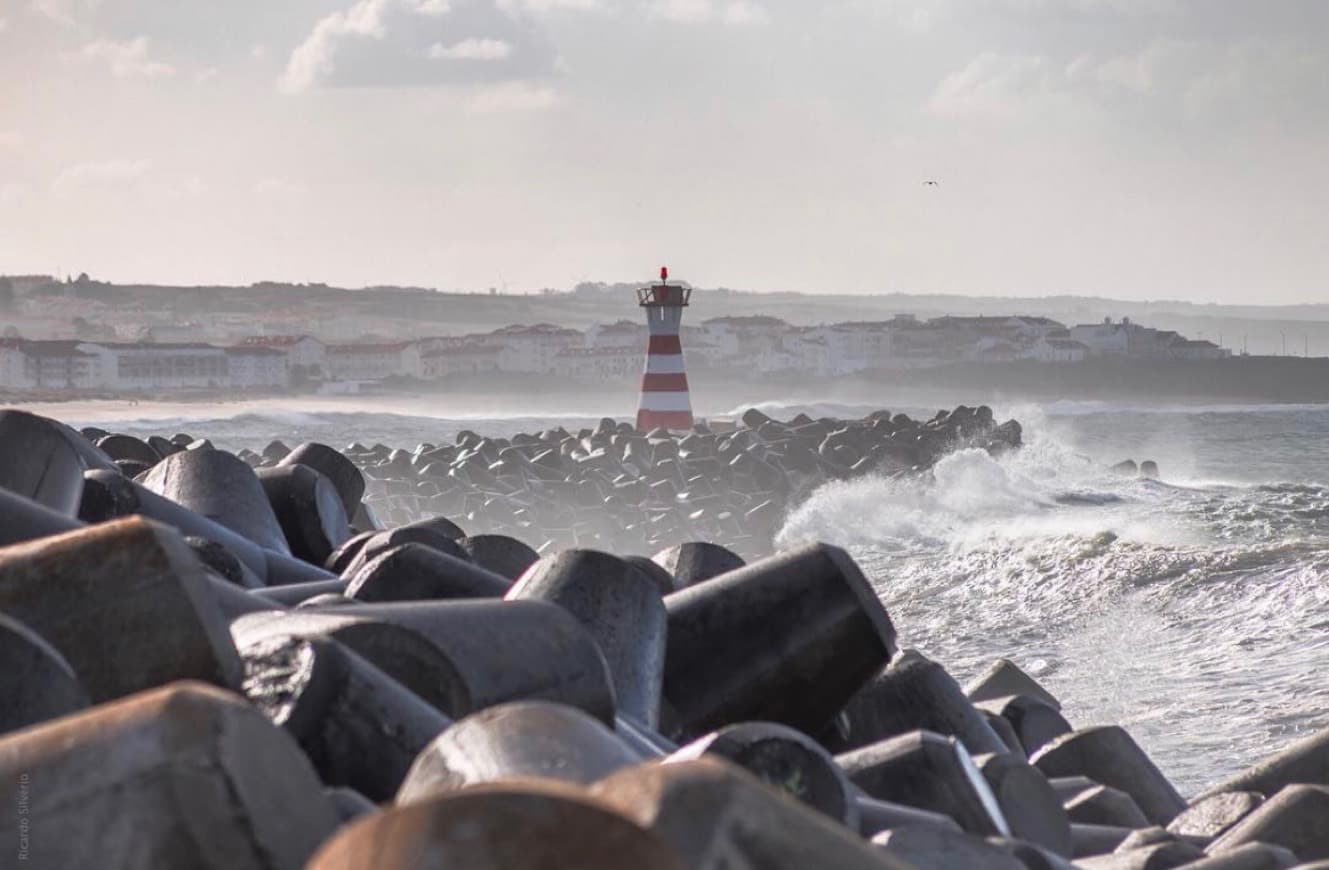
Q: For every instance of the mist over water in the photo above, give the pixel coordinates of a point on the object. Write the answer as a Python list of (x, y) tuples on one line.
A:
[(1194, 610)]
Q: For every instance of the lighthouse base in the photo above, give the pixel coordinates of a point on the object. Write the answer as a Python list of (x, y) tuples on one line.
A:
[(648, 420)]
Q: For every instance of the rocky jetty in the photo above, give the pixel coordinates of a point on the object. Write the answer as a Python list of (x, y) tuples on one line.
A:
[(213, 665), (618, 489)]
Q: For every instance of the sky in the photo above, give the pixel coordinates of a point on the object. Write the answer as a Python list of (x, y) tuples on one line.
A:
[(1131, 148)]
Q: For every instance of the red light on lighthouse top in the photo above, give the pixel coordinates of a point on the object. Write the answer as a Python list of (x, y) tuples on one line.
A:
[(664, 274)]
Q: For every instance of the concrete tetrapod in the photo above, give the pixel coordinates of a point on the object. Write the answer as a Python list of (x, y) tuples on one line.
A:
[(1027, 802), (931, 772), (415, 572), (1306, 761), (39, 462), (622, 610), (1252, 856), (108, 495), (716, 816), (784, 759), (371, 547), (940, 849), (307, 506), (1294, 818), (692, 562), (1108, 755), (1004, 678), (501, 554), (358, 726), (22, 519), (913, 693), (463, 656), (876, 816), (348, 481), (787, 639), (126, 604), (1212, 816), (186, 776), (36, 682), (534, 825), (1034, 722), (221, 487), (522, 740)]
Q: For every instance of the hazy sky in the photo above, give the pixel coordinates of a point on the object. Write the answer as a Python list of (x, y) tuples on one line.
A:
[(1136, 148)]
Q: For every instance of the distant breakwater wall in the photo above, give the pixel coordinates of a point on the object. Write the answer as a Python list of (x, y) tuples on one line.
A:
[(614, 488)]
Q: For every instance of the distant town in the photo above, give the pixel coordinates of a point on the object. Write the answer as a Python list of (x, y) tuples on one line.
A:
[(73, 336)]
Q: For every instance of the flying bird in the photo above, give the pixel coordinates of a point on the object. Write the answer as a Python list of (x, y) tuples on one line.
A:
[(931, 184)]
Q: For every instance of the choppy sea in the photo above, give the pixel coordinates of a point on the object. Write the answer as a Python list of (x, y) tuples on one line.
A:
[(1194, 609)]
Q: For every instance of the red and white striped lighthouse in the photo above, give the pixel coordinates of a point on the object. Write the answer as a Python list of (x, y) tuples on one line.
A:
[(665, 402)]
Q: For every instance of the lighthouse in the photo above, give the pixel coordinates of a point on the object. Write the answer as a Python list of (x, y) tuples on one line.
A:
[(665, 402)]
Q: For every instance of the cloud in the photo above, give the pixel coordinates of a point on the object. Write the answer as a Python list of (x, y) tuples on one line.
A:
[(126, 59), (4, 24), (105, 174), (699, 11), (472, 49), (10, 139), (398, 43), (996, 85), (514, 97)]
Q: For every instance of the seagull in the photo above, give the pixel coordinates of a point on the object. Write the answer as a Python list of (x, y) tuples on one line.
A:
[(931, 184)]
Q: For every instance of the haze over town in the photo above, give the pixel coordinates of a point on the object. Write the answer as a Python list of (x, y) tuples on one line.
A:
[(1127, 149)]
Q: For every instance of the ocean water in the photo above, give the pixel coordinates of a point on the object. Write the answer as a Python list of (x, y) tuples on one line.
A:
[(1193, 610)]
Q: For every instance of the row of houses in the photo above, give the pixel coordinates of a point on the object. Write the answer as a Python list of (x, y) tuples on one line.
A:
[(605, 352)]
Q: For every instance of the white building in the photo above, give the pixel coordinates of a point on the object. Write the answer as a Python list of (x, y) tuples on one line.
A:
[(303, 352), (60, 365), (462, 359), (12, 364), (258, 367), (1104, 339), (532, 348), (600, 363), (372, 361), (624, 333), (1058, 350), (145, 366)]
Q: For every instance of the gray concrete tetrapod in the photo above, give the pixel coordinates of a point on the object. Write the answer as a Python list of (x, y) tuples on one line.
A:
[(692, 562), (528, 825), (126, 603), (307, 506), (717, 815), (108, 495), (415, 572), (1104, 805), (787, 639), (36, 683), (1305, 761), (524, 739), (1034, 722), (931, 772), (183, 776), (620, 607), (875, 816), (913, 693), (784, 759), (221, 487), (1293, 818), (294, 593), (1109, 755), (1212, 816), (358, 726), (38, 461), (501, 554), (127, 447), (940, 849), (463, 656), (22, 519), (378, 543), (1027, 801), (332, 464), (1004, 678)]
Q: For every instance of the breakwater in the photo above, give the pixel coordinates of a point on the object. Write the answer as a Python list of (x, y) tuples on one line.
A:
[(212, 670)]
